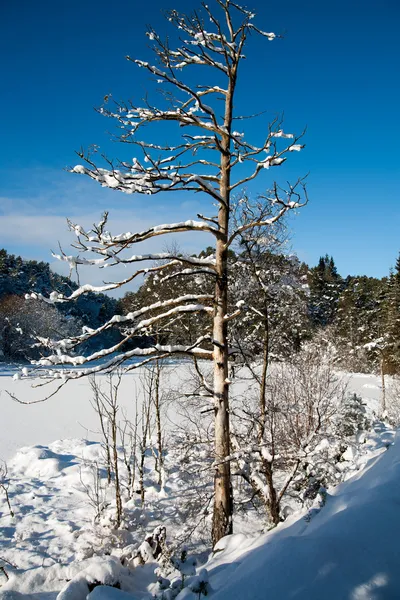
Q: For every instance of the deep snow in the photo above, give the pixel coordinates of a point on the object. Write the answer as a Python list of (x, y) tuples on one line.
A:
[(349, 550), (344, 550)]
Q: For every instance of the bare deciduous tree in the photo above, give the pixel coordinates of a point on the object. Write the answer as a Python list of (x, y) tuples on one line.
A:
[(294, 410), (209, 157), (106, 406)]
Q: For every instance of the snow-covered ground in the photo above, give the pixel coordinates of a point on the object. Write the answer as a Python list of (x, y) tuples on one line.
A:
[(68, 414), (346, 549)]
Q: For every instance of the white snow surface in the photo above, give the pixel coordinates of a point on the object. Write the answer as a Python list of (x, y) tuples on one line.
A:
[(68, 414), (346, 549)]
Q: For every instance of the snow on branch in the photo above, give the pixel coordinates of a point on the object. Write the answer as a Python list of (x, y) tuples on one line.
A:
[(148, 180), (188, 272), (178, 305), (117, 359), (104, 237), (139, 328), (276, 156), (100, 241)]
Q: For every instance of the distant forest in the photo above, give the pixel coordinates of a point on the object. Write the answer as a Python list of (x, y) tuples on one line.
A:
[(24, 322), (359, 316)]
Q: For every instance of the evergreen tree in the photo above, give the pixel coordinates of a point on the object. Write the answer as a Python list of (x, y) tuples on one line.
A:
[(325, 286), (275, 297), (19, 277), (391, 322), (357, 321)]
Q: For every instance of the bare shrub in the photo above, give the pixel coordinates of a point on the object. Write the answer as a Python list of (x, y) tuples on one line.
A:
[(4, 486), (278, 431)]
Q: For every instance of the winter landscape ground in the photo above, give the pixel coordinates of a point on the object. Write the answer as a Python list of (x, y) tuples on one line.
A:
[(342, 544)]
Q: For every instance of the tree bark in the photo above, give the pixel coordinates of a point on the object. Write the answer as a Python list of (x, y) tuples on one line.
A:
[(223, 505)]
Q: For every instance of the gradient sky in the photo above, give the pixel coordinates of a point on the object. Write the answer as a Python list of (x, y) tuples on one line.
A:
[(336, 71)]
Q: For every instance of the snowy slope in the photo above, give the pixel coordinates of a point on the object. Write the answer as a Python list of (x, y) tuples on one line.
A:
[(68, 414), (345, 550), (348, 551)]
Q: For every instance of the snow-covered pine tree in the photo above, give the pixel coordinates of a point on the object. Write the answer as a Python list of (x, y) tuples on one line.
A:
[(274, 289), (207, 155)]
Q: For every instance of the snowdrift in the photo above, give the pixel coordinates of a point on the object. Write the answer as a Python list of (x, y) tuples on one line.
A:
[(347, 550)]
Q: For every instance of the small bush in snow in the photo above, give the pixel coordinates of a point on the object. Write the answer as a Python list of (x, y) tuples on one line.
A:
[(352, 418)]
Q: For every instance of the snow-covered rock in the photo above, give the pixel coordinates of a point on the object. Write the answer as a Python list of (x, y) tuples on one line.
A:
[(105, 571), (105, 592)]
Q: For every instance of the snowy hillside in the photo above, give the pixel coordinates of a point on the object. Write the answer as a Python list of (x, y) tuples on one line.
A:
[(346, 550)]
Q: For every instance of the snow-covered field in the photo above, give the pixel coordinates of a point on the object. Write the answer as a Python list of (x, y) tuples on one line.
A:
[(345, 549), (68, 414)]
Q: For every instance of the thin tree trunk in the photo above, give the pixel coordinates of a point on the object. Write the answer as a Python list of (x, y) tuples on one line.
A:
[(273, 506), (134, 447), (157, 401), (383, 398), (272, 503), (5, 490), (118, 499), (263, 384), (146, 411)]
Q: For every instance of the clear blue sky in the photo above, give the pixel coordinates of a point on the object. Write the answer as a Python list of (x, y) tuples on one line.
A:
[(336, 71)]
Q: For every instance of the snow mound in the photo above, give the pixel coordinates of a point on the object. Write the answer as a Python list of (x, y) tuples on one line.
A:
[(11, 595), (347, 550), (101, 571)]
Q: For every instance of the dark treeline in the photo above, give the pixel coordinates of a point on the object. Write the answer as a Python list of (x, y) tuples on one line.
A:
[(290, 303), (23, 322)]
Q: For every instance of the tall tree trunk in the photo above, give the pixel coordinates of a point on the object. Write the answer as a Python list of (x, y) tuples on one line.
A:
[(157, 401), (222, 515), (223, 504)]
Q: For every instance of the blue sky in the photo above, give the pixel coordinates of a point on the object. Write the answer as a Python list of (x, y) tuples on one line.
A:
[(336, 71)]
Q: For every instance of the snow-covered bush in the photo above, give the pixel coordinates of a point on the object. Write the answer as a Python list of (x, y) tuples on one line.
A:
[(182, 581), (351, 417), (105, 571), (335, 455), (4, 486), (393, 401)]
